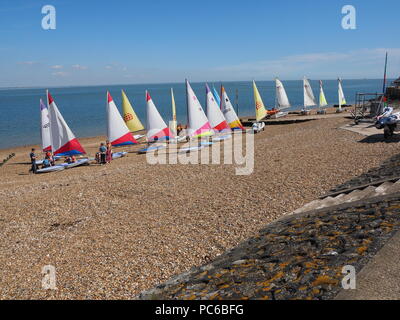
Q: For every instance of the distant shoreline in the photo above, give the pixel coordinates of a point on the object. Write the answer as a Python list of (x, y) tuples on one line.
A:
[(168, 83)]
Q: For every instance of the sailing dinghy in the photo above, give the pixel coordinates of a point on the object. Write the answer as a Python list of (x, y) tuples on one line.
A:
[(45, 131), (216, 117), (131, 119), (309, 99), (63, 141), (50, 169), (261, 112), (118, 155), (157, 129), (117, 131), (198, 126), (229, 112), (77, 163), (281, 100)]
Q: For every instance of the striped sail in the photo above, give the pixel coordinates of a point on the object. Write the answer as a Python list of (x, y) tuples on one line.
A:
[(63, 141), (229, 112), (214, 113), (198, 125), (118, 132), (261, 112), (216, 96), (130, 117)]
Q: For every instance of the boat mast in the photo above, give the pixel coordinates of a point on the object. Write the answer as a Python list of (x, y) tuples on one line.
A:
[(384, 76)]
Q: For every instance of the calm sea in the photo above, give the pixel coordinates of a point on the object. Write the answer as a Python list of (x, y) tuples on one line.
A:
[(84, 107)]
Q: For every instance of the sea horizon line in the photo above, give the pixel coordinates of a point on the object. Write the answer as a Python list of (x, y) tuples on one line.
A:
[(170, 83)]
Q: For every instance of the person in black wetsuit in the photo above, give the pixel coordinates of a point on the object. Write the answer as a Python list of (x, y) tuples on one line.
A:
[(32, 155)]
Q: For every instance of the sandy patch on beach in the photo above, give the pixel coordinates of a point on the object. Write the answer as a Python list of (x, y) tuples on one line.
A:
[(113, 231)]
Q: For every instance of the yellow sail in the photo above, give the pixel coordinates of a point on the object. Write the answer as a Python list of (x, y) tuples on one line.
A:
[(322, 99), (130, 117), (173, 125), (261, 112)]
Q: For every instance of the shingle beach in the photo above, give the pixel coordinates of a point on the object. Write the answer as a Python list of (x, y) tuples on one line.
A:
[(113, 231)]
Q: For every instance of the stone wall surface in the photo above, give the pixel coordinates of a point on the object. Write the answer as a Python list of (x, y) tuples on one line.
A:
[(299, 256)]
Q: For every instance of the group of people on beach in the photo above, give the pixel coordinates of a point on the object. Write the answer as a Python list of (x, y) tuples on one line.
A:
[(105, 153), (48, 160), (104, 156)]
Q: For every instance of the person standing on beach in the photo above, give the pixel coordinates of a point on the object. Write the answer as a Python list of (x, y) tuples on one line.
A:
[(103, 151), (32, 155), (109, 152)]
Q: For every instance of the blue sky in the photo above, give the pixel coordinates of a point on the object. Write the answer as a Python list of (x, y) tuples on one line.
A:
[(123, 42)]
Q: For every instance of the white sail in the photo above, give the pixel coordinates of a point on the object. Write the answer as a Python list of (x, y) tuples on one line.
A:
[(157, 129), (229, 112), (63, 141), (118, 132), (281, 96), (45, 127), (214, 113), (342, 99), (198, 125), (309, 99), (173, 124)]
